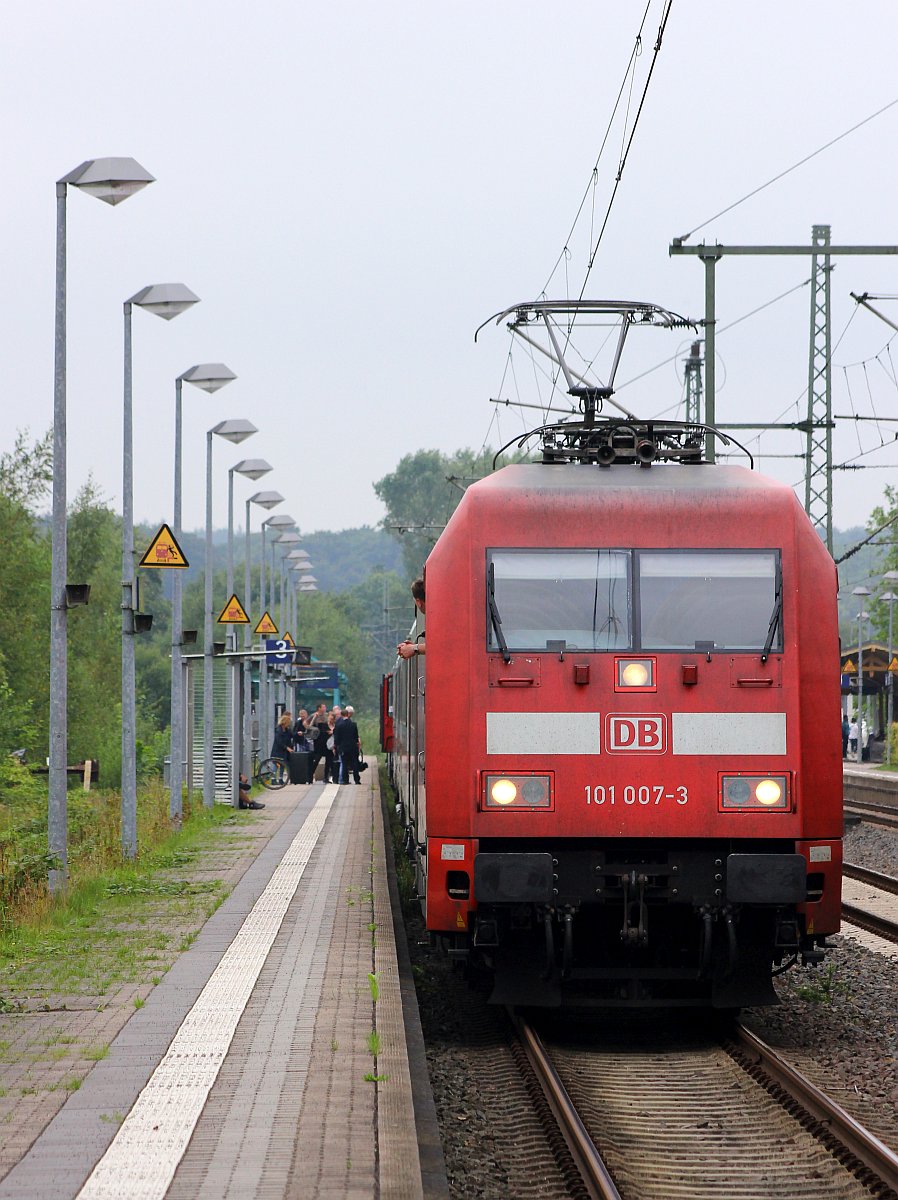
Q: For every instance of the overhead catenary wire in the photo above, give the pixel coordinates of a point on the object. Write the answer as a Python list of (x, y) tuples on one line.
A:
[(594, 174), (788, 171)]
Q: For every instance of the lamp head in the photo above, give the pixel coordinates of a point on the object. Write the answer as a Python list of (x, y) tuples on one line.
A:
[(267, 499), (166, 300), (109, 179), (252, 468), (209, 376), (234, 430)]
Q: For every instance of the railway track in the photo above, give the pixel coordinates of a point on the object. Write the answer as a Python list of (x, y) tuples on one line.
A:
[(874, 814), (883, 924), (647, 1116)]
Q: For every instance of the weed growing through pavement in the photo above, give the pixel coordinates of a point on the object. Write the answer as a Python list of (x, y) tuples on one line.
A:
[(373, 1043), (374, 986), (139, 1002), (370, 1077), (334, 1046)]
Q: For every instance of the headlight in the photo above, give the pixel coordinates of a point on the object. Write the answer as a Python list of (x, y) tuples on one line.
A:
[(755, 792), (634, 674), (504, 791), (517, 792)]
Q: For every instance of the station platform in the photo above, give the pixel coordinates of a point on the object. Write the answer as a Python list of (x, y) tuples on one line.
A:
[(272, 1060)]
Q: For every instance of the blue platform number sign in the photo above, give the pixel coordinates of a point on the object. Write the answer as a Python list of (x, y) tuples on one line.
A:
[(279, 653)]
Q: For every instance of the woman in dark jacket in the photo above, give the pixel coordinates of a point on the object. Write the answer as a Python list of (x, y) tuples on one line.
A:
[(283, 739)]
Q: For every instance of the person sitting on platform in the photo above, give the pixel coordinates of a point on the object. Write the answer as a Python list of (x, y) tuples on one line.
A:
[(244, 798)]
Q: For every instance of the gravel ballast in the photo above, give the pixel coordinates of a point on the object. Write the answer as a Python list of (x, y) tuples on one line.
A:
[(838, 1023)]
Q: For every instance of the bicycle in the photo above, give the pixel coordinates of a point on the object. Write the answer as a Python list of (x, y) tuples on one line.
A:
[(272, 773)]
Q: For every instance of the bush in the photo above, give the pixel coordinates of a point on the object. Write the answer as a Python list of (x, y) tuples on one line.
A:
[(890, 750)]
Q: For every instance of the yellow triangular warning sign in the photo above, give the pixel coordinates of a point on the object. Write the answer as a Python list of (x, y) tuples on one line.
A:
[(233, 613), (164, 551), (288, 638), (850, 668), (266, 625), (893, 666)]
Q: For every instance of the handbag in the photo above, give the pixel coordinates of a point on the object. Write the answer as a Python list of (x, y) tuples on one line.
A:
[(363, 766), (330, 742)]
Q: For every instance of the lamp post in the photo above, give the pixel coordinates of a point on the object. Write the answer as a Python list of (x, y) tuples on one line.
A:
[(209, 377), (267, 500), (111, 180), (862, 616), (232, 431), (279, 521), (249, 468), (299, 568), (288, 539), (889, 598), (165, 300)]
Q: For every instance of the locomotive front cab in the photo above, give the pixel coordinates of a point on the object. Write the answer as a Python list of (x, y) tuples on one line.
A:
[(641, 811)]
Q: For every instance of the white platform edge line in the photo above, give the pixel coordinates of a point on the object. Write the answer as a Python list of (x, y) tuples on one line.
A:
[(141, 1160)]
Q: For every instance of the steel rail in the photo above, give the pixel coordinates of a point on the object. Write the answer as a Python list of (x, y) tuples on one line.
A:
[(864, 1145), (589, 1162), (874, 814), (863, 919), (885, 883)]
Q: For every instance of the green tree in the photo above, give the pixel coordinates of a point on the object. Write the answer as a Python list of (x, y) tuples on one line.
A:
[(884, 516), (330, 624), (27, 471), (424, 491), (95, 633), (24, 627)]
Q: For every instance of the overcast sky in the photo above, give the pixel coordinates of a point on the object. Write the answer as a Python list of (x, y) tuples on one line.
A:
[(352, 188)]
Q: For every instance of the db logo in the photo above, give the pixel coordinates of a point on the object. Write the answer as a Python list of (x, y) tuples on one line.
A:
[(647, 732)]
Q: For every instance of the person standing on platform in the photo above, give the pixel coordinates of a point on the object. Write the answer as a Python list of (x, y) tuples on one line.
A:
[(318, 727), (300, 731), (283, 741), (346, 742)]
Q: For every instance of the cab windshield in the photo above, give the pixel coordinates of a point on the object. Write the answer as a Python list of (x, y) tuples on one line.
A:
[(706, 599), (578, 597), (595, 600)]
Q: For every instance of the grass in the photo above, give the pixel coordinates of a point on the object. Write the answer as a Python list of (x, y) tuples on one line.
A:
[(104, 930)]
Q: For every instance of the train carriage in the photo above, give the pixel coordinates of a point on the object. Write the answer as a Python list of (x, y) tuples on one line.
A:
[(632, 763)]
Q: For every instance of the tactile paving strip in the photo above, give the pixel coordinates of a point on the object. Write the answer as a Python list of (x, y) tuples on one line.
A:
[(145, 1153)]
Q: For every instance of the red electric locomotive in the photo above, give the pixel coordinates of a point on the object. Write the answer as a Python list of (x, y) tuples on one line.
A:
[(630, 791)]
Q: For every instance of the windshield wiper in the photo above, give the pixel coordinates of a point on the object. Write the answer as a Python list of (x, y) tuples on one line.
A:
[(774, 621), (494, 614)]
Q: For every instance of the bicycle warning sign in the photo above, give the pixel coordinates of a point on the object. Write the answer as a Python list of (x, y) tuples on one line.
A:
[(164, 551)]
